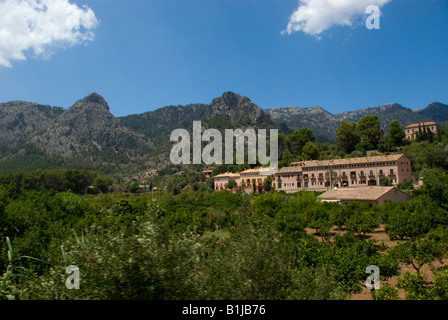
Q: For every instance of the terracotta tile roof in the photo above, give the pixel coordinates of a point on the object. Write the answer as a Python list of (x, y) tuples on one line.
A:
[(423, 124), (384, 158), (260, 171), (289, 170), (371, 193), (250, 171), (228, 175)]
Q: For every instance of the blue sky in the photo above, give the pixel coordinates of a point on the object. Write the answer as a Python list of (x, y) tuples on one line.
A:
[(146, 54)]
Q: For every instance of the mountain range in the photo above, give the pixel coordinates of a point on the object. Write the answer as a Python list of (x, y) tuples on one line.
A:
[(87, 135)]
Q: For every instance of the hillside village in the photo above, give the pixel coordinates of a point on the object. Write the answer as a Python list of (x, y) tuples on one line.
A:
[(324, 175)]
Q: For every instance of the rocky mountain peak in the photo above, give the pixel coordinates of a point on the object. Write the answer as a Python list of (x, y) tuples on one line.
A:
[(93, 98), (436, 111), (229, 100), (235, 105)]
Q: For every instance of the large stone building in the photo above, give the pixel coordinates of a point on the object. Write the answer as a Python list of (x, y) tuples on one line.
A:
[(413, 129), (321, 175)]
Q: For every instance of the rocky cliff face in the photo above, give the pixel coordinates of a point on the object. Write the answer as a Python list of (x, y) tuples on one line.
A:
[(20, 120), (86, 127), (88, 123)]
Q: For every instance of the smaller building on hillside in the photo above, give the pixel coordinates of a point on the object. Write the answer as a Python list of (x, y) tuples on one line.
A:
[(412, 130), (375, 195), (255, 176), (221, 180)]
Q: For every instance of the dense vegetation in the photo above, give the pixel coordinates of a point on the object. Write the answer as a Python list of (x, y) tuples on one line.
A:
[(211, 245)]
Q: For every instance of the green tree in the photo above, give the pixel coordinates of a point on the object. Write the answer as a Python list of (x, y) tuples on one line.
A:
[(267, 185), (429, 135), (286, 158), (231, 184), (133, 186), (362, 223), (347, 137), (385, 182), (386, 292), (103, 183), (396, 132), (418, 253), (298, 139), (310, 151), (369, 129), (435, 186)]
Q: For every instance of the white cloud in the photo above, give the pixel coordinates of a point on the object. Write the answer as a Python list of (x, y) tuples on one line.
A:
[(316, 16), (38, 26)]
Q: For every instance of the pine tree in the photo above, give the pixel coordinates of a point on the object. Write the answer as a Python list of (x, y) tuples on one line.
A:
[(429, 135), (424, 136), (419, 133), (438, 136)]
